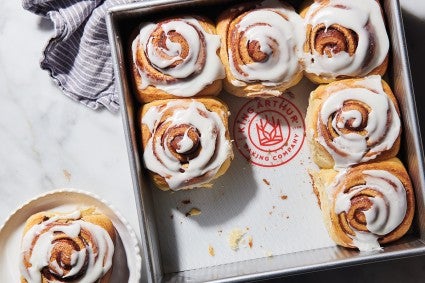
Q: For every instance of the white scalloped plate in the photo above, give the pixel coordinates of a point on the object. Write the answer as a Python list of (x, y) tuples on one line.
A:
[(127, 260)]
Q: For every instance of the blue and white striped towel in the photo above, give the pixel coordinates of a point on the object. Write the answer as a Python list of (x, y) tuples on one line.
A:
[(78, 55)]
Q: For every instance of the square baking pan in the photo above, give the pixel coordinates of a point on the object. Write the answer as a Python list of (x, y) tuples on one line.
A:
[(166, 259)]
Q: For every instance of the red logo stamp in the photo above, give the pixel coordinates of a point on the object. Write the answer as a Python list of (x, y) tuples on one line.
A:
[(269, 132)]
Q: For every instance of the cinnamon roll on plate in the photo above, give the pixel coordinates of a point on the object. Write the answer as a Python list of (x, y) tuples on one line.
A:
[(72, 247), (366, 205), (344, 39), (186, 142), (353, 121), (68, 235), (176, 58), (260, 48)]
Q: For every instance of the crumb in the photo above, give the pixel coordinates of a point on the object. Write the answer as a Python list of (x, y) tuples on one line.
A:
[(246, 241), (234, 238), (247, 228), (283, 197), (287, 217), (67, 175), (270, 212), (186, 201), (211, 250), (172, 216), (315, 190), (220, 231), (181, 222), (250, 243), (193, 212), (266, 182), (274, 206), (269, 254)]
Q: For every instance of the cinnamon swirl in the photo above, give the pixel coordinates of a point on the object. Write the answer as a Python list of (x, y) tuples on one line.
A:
[(344, 39), (186, 142), (366, 205), (353, 121), (75, 247), (176, 57), (260, 48)]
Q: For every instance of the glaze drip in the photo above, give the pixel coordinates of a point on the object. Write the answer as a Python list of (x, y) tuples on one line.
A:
[(264, 45), (371, 209), (65, 248), (344, 38), (188, 143), (357, 123), (177, 56)]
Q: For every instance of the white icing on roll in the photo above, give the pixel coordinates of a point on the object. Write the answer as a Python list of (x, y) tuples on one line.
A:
[(215, 148), (350, 147), (386, 213), (185, 144), (191, 75), (92, 261), (364, 17), (279, 38)]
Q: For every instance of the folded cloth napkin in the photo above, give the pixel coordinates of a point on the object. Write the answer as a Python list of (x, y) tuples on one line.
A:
[(78, 56)]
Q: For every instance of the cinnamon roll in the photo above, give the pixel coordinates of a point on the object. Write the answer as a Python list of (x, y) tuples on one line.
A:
[(344, 39), (75, 247), (353, 121), (186, 142), (260, 48), (366, 205), (175, 58)]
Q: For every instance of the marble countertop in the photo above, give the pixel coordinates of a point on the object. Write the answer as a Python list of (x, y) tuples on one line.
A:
[(48, 141)]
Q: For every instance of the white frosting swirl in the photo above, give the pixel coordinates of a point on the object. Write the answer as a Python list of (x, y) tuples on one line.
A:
[(215, 148), (364, 17), (192, 74), (277, 29), (387, 212), (380, 133), (89, 264), (186, 144)]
